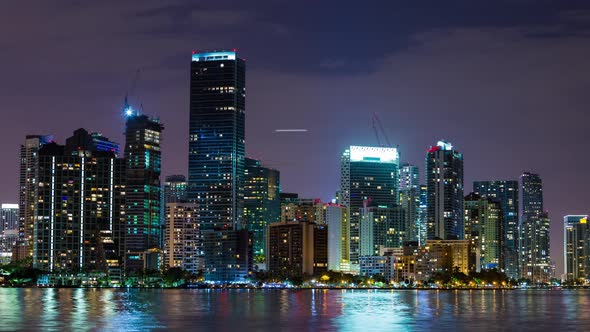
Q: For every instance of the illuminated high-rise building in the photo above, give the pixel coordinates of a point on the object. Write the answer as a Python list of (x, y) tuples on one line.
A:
[(29, 167), (368, 176), (409, 193), (143, 199), (336, 217), (80, 207), (444, 179), (217, 138), (483, 228), (505, 192), (8, 231), (422, 215), (381, 227), (534, 239), (262, 203), (576, 248), (181, 237)]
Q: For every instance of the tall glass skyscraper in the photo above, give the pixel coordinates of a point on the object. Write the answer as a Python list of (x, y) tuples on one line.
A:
[(576, 248), (216, 138), (144, 192), (505, 192), (409, 193), (444, 179), (368, 176), (534, 241)]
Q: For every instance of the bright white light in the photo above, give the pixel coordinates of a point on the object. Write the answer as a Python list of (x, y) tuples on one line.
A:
[(129, 112), (374, 154), (445, 145), (10, 206)]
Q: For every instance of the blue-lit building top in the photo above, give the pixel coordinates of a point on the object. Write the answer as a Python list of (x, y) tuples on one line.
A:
[(217, 138)]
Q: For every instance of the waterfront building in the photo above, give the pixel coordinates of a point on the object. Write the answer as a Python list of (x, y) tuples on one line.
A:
[(336, 217), (80, 207), (444, 180), (535, 256), (422, 215), (368, 176), (506, 193), (181, 237), (217, 138), (483, 228), (227, 255), (409, 192), (576, 248), (296, 248), (381, 227), (377, 266), (262, 203), (143, 197), (450, 256), (28, 183), (8, 231)]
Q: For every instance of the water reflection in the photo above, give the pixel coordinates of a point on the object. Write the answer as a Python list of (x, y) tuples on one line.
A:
[(291, 310)]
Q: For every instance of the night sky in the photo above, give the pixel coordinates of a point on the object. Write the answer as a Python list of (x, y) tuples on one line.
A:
[(507, 83)]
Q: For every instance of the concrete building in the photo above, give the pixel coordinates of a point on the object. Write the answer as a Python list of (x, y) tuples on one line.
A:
[(181, 237)]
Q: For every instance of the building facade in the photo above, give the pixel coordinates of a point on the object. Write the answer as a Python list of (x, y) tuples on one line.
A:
[(409, 192), (338, 237), (381, 227), (262, 203), (181, 237), (483, 228), (576, 248), (175, 189), (506, 193), (80, 209), (368, 176), (444, 179), (217, 138), (227, 256), (144, 192)]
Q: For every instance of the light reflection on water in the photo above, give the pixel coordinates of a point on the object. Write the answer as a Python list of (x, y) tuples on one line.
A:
[(295, 310)]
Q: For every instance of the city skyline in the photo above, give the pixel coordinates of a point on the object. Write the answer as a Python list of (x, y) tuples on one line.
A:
[(526, 149)]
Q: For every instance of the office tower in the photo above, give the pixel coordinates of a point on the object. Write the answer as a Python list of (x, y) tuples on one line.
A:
[(576, 245), (483, 228), (336, 217), (262, 203), (295, 248), (143, 202), (444, 179), (181, 236), (368, 175), (381, 227), (422, 215), (28, 182), (175, 187), (227, 255), (409, 192), (535, 257), (80, 206), (505, 192), (216, 138)]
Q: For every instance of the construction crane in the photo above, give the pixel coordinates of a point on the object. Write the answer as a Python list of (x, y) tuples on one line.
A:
[(378, 128)]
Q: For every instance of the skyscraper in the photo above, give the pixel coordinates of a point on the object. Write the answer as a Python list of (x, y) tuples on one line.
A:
[(262, 203), (409, 192), (80, 206), (505, 192), (216, 138), (444, 179), (576, 248), (8, 231), (534, 231), (336, 217), (381, 227), (422, 215), (143, 198), (29, 167), (368, 175)]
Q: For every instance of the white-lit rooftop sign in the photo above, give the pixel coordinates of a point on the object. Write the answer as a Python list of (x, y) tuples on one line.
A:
[(374, 154), (214, 56), (9, 206), (445, 145)]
